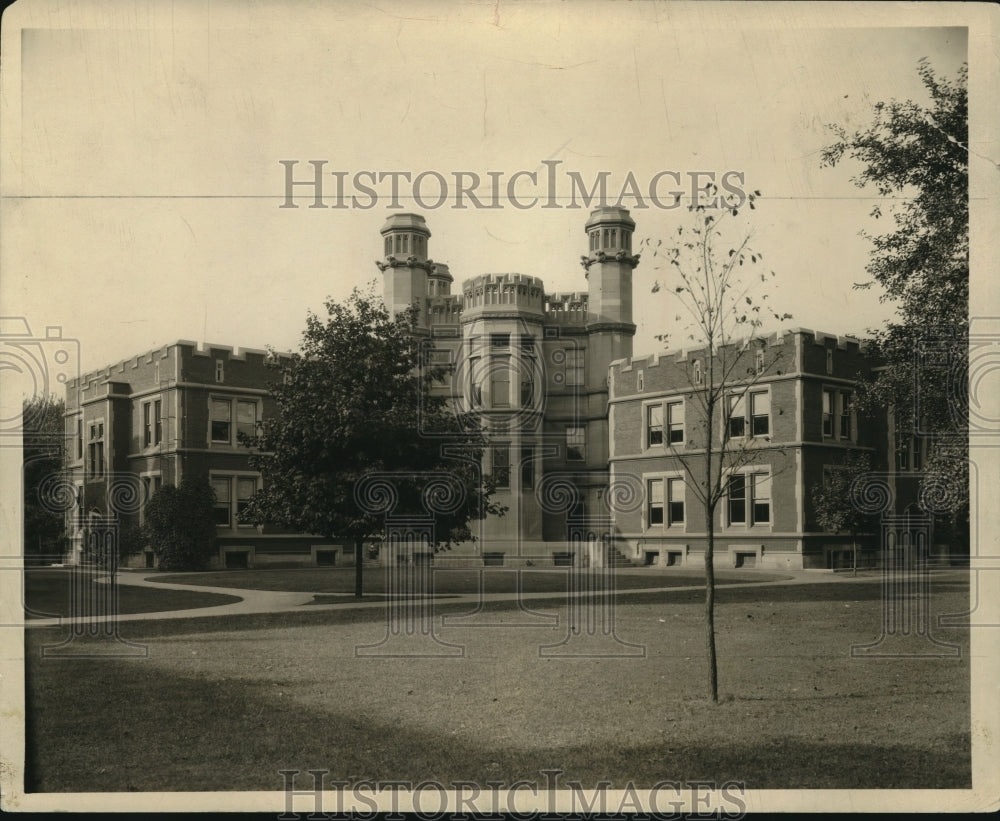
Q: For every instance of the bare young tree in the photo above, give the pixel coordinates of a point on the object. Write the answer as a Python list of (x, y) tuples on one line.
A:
[(714, 278)]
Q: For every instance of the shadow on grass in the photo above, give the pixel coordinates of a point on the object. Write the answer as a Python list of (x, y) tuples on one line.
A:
[(110, 726)]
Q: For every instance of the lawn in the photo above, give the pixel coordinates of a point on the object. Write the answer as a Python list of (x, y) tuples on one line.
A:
[(47, 594), (450, 580), (797, 710)]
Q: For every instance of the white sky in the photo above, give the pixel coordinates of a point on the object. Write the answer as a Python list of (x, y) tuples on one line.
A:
[(140, 165)]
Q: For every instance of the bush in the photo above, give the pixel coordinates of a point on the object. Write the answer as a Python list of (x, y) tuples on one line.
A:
[(180, 526)]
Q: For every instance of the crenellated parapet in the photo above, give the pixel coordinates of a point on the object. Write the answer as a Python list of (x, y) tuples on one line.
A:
[(504, 292), (445, 310)]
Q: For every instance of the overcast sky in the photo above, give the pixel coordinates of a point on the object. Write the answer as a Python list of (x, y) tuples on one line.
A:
[(142, 182)]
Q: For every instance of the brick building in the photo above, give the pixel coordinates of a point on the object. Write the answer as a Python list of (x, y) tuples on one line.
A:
[(178, 410), (571, 414), (790, 420)]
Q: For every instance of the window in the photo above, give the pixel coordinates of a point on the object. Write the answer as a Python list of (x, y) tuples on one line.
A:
[(902, 459), (528, 345), (79, 438), (675, 422), (675, 501), (95, 449), (737, 494), (760, 498), (232, 496), (576, 445), (827, 413), (829, 362), (757, 508), (220, 374), (246, 487), (221, 422), (475, 388), (152, 423), (527, 392), (845, 415), (388, 246), (758, 362), (527, 467), (223, 501), (760, 413), (737, 416), (654, 425), (222, 414), (698, 377), (500, 383), (654, 495), (574, 367), (640, 382), (501, 466), (246, 418), (500, 340)]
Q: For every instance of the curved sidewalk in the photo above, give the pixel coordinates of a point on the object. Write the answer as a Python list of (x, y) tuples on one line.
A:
[(272, 601)]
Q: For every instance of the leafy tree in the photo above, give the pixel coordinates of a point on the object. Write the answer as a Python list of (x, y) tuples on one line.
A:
[(918, 156), (353, 403), (713, 278), (180, 524), (43, 445), (832, 501)]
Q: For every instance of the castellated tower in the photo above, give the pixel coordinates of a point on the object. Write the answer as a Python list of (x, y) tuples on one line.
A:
[(533, 366), (405, 266), (609, 265)]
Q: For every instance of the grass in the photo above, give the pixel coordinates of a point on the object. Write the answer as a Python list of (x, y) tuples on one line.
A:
[(797, 711), (448, 580), (48, 593)]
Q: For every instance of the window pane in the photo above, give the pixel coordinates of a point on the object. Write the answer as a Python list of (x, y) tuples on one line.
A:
[(675, 421), (501, 466), (760, 403), (675, 499), (500, 383), (246, 418), (654, 425), (575, 445), (737, 414), (222, 501), (527, 393), (221, 418), (245, 489), (737, 499), (655, 496)]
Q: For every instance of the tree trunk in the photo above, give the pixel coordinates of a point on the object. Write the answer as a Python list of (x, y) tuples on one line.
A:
[(713, 672), (358, 568)]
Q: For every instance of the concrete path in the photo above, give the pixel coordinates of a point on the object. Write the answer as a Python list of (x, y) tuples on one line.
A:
[(271, 601)]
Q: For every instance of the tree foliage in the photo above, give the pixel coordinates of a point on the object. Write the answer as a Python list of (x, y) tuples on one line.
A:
[(917, 156), (43, 445), (718, 284), (180, 524), (356, 402), (832, 499)]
